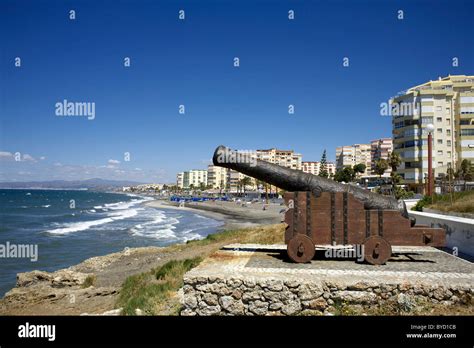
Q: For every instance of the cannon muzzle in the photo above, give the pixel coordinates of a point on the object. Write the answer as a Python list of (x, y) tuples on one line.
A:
[(295, 180)]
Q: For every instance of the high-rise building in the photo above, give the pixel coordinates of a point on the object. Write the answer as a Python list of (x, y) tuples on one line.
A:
[(197, 177), (285, 158), (315, 167), (233, 180), (180, 180), (194, 177), (381, 149), (348, 156), (331, 168), (217, 177), (448, 104)]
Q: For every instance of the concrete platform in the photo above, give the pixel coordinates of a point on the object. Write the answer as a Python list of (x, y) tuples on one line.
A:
[(250, 279)]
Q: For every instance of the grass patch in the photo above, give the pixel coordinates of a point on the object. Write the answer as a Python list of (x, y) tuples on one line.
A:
[(462, 202), (267, 234), (89, 281), (154, 292)]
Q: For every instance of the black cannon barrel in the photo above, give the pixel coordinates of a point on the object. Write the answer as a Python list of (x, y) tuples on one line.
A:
[(295, 180)]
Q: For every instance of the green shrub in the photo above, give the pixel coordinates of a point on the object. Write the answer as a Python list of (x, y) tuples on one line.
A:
[(426, 200), (148, 290), (89, 281)]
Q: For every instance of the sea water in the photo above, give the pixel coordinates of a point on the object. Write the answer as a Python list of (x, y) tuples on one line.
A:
[(67, 227)]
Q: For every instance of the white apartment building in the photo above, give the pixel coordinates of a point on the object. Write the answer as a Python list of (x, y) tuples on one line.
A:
[(448, 104), (217, 177), (314, 167), (348, 156), (197, 177), (285, 158), (180, 180), (192, 177), (381, 149)]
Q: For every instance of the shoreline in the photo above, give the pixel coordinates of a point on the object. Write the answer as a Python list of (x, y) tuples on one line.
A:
[(231, 214), (48, 293)]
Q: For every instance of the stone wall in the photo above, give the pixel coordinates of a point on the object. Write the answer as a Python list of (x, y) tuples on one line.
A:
[(271, 296)]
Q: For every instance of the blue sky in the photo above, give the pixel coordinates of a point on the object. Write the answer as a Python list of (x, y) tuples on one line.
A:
[(190, 62)]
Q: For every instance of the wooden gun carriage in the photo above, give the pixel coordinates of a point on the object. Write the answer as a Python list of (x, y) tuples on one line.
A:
[(322, 211), (338, 218)]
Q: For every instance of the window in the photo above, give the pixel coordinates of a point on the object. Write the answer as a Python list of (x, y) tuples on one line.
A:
[(467, 109), (412, 164), (448, 110), (448, 142), (440, 130), (440, 152), (426, 120), (440, 141), (439, 119), (412, 132), (439, 108), (411, 122), (465, 121), (468, 132), (412, 143), (449, 154), (448, 131), (440, 164), (448, 121), (427, 108)]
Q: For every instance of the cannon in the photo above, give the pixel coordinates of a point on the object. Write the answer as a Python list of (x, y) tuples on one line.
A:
[(324, 212)]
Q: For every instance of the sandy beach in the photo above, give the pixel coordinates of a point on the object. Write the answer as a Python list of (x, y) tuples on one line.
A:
[(235, 215)]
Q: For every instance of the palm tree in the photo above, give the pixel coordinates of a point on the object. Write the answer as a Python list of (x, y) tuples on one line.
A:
[(380, 167), (245, 181), (394, 161), (465, 172)]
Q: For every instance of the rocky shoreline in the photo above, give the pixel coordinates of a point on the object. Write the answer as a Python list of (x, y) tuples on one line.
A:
[(70, 292), (90, 287)]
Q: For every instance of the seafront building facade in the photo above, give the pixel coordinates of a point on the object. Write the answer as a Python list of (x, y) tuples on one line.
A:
[(315, 167), (380, 149), (194, 177), (217, 177), (198, 177), (348, 156), (447, 104), (180, 180), (285, 158)]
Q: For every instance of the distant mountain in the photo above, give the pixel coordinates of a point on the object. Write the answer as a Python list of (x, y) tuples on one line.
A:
[(91, 184)]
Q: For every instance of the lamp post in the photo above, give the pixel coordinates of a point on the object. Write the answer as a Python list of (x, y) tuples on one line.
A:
[(430, 129)]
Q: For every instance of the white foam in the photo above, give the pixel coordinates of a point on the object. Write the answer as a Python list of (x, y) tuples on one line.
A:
[(85, 225), (121, 210), (46, 205), (162, 234), (79, 226), (202, 217), (192, 236)]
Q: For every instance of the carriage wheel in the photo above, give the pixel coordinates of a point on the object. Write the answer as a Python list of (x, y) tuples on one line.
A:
[(301, 248), (377, 250)]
